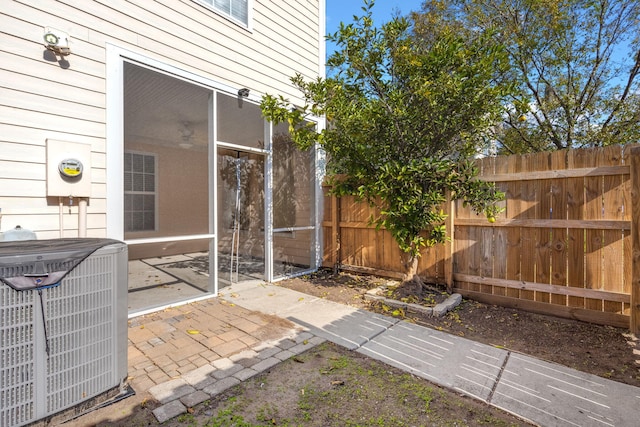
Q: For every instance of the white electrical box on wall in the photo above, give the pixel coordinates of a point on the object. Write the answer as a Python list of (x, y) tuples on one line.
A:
[(68, 169)]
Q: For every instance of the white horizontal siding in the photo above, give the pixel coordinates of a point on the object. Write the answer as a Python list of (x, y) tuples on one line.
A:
[(24, 187), (49, 121), (81, 59), (50, 105), (16, 206), (54, 234), (48, 226), (28, 83), (98, 176), (42, 99), (14, 67), (15, 187), (13, 133), (51, 223), (19, 153), (25, 171)]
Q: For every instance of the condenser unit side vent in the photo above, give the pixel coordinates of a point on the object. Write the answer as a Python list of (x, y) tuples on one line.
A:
[(17, 405)]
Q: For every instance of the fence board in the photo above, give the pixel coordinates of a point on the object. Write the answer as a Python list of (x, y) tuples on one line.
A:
[(431, 264), (500, 259), (501, 262), (635, 233), (475, 257), (576, 237), (513, 209), (593, 211), (562, 290), (462, 242), (485, 246), (528, 236), (543, 235), (461, 260), (613, 244), (486, 242), (626, 215), (551, 309), (559, 236)]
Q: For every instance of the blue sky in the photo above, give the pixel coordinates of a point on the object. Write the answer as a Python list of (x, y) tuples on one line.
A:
[(383, 10), (343, 10)]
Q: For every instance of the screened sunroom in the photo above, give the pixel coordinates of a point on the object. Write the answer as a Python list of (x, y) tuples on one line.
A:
[(212, 194)]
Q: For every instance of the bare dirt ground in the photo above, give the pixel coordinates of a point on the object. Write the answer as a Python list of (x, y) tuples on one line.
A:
[(326, 386), (329, 386), (600, 350)]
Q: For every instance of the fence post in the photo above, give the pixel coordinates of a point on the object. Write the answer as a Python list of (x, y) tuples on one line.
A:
[(449, 244), (335, 232), (635, 240)]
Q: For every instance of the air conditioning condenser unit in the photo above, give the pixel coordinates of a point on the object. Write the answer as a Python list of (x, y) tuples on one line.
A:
[(64, 343)]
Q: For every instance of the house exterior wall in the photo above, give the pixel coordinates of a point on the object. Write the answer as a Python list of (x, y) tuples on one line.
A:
[(66, 99)]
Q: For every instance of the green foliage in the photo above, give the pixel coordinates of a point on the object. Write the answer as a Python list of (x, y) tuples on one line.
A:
[(187, 419), (413, 191), (228, 418), (404, 118), (576, 64)]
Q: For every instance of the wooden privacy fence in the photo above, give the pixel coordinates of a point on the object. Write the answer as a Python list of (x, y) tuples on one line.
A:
[(566, 243)]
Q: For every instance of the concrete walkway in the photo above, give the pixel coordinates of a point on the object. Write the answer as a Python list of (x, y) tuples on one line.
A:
[(544, 393), (185, 355)]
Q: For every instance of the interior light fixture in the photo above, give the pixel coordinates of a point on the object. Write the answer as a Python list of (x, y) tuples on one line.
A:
[(186, 133)]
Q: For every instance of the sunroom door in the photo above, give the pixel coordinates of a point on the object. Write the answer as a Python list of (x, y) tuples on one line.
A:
[(241, 161), (241, 231)]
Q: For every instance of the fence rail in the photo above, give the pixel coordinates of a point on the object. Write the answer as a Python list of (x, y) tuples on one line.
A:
[(563, 245)]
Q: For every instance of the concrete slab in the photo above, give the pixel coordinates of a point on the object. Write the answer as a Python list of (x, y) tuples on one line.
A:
[(454, 362), (142, 275), (335, 322), (553, 395), (197, 254), (260, 296), (186, 274), (166, 259), (160, 296), (343, 325)]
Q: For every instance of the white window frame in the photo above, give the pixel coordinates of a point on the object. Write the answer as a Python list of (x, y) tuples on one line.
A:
[(145, 192), (210, 4)]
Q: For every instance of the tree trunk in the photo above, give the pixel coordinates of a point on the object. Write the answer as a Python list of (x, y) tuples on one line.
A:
[(410, 279), (410, 264)]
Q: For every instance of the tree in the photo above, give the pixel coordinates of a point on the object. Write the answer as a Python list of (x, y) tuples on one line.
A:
[(404, 120), (576, 64)]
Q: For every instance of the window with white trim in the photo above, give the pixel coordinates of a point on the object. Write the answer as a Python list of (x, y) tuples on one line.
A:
[(238, 10), (139, 192)]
